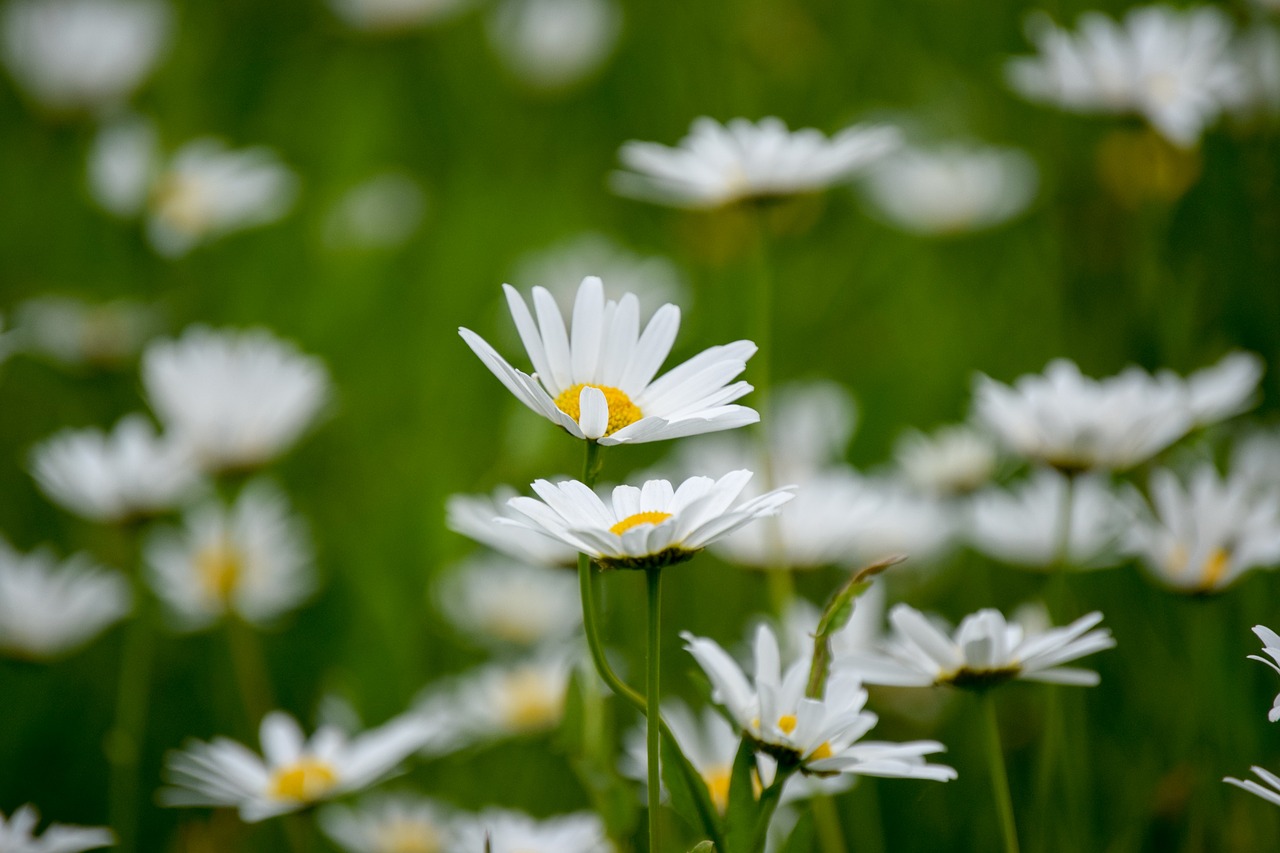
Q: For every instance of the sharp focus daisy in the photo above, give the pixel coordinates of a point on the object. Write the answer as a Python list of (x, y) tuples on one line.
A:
[(1270, 792), (1271, 646), (473, 516), (951, 190), (719, 164), (236, 398), (954, 460), (510, 602), (392, 16), (389, 823), (817, 735), (645, 527), (73, 55), (293, 773), (555, 44), (985, 650), (49, 608), (654, 280), (17, 835), (1201, 536), (503, 831), (596, 380), (1173, 67), (76, 333), (252, 560)]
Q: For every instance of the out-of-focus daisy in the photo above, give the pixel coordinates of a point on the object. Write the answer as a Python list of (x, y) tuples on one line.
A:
[(1271, 793), (1271, 646), (251, 559), (74, 332), (1200, 537), (1258, 51), (1172, 67), (649, 526), (719, 164), (554, 44), (391, 16), (293, 773), (820, 735), (473, 516), (72, 55), (1023, 525), (502, 831), (128, 473), (17, 835), (49, 608), (497, 599), (954, 460), (953, 189), (985, 650), (389, 823), (1225, 389), (380, 212), (893, 519), (1255, 459), (654, 280), (597, 380), (236, 398)]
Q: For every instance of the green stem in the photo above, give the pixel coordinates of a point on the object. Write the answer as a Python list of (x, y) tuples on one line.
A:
[(251, 672), (827, 820), (782, 586), (125, 740), (653, 584), (999, 776), (297, 828)]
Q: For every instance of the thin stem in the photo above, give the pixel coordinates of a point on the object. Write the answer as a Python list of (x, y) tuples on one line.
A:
[(297, 828), (653, 584), (251, 672), (782, 586), (999, 776), (827, 820)]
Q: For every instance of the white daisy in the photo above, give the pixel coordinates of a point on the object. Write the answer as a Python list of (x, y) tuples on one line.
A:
[(391, 16), (1255, 459), (251, 559), (953, 189), (236, 398), (1023, 525), (74, 332), (126, 474), (1172, 67), (72, 55), (123, 164), (599, 383), (17, 835), (502, 831), (894, 519), (49, 608), (1226, 389), (654, 280), (1200, 537), (717, 164), (555, 44), (647, 527), (1271, 646), (954, 460), (380, 212), (296, 772), (473, 517), (817, 735), (1271, 794), (389, 823), (984, 651), (495, 599)]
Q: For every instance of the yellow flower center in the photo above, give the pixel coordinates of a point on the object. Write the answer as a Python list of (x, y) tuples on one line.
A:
[(1214, 567), (649, 517), (305, 781), (787, 722), (718, 779), (530, 701), (180, 200), (823, 751), (622, 412), (220, 567), (407, 836)]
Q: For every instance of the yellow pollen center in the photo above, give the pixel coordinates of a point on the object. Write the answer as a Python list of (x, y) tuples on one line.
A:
[(1214, 567), (718, 779), (406, 836), (823, 751), (304, 781), (530, 701), (220, 567), (650, 517), (787, 722), (622, 412)]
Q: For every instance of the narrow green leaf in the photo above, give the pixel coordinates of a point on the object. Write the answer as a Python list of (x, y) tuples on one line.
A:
[(803, 838), (740, 817), (704, 847), (836, 615), (689, 795)]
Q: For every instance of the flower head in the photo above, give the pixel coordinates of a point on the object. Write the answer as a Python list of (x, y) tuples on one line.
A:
[(473, 515), (1271, 646), (389, 823), (74, 332), (17, 835), (954, 460), (598, 383), (512, 832), (1225, 389), (509, 602), (555, 44)]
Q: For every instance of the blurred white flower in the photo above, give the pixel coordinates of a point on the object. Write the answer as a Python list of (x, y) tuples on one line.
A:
[(954, 460), (654, 280), (1255, 459), (381, 212), (893, 519), (503, 831), (473, 516), (953, 189), (72, 55), (1270, 794), (554, 44), (985, 650), (75, 332), (1023, 525), (296, 772), (238, 399), (252, 560), (495, 599), (1223, 390), (388, 823), (596, 381), (719, 164), (1258, 51), (1173, 67), (49, 608), (390, 16), (1271, 646), (1200, 537), (120, 476), (17, 835)]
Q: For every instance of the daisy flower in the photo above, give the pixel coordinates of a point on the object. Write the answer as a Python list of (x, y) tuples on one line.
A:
[(389, 823), (238, 399), (392, 16), (49, 608), (654, 280), (718, 164), (898, 520), (73, 332), (984, 651), (512, 832), (1172, 67), (252, 560), (1271, 646), (954, 460), (597, 382), (473, 516), (17, 835), (126, 474), (294, 772), (510, 602), (1271, 793), (1225, 389), (554, 44), (1200, 537), (817, 735), (646, 527)]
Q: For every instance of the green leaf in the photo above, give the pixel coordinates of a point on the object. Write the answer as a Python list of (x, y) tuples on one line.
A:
[(836, 615), (740, 817), (704, 847), (689, 795), (803, 838)]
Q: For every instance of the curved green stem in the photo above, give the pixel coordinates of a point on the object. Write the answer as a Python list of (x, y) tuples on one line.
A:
[(653, 585), (999, 776)]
